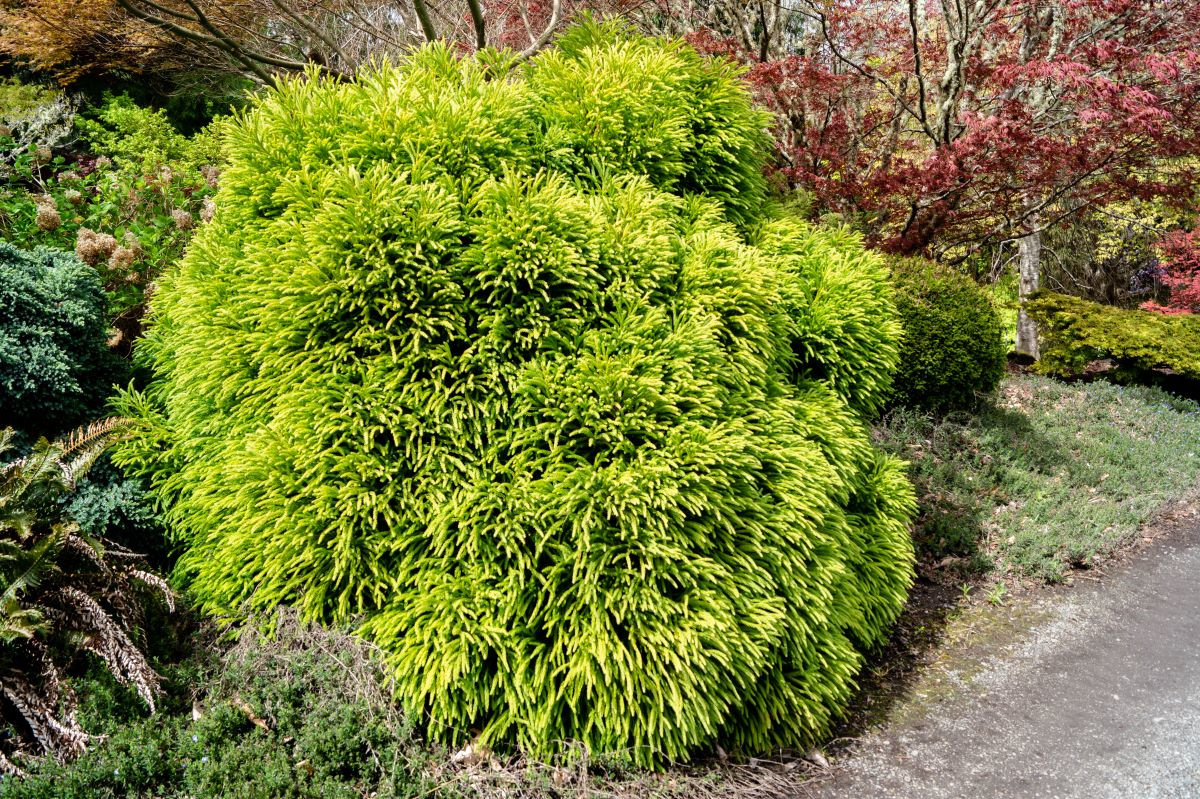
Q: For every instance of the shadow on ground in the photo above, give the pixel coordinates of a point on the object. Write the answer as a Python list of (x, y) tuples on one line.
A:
[(891, 672), (959, 485)]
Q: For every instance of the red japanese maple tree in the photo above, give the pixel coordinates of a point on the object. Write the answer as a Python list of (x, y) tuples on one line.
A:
[(945, 124), (1180, 273), (948, 125)]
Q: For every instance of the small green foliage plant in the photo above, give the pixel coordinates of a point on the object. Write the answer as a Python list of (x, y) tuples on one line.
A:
[(996, 593), (142, 140), (953, 348), (1076, 332), (516, 366), (56, 370)]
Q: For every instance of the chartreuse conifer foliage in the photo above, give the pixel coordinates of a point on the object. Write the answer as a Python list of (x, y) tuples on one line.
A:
[(522, 371)]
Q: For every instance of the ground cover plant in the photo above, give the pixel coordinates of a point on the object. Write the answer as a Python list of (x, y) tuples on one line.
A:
[(1052, 476), (304, 712), (518, 368)]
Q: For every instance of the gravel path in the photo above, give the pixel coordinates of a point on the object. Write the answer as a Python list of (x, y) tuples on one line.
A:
[(1101, 700)]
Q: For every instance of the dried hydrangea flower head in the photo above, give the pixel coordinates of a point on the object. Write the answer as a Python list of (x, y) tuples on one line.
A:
[(93, 247), (48, 218), (133, 243), (122, 259), (211, 174)]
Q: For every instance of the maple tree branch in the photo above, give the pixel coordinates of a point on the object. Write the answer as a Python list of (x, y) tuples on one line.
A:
[(328, 41), (220, 43), (823, 21), (540, 42), (426, 21), (916, 51), (477, 22)]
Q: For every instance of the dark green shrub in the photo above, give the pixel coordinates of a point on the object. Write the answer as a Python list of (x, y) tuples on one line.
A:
[(1074, 332), (55, 367), (953, 346), (522, 371)]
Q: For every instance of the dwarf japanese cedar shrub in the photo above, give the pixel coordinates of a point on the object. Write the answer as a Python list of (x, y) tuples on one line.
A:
[(523, 371)]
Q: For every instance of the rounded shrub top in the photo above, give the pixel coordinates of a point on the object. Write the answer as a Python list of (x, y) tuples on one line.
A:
[(55, 367), (521, 372), (953, 346)]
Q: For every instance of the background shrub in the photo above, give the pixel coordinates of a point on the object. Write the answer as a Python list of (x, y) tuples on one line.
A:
[(55, 367), (142, 140), (522, 371), (35, 116), (953, 346), (127, 218), (1074, 332)]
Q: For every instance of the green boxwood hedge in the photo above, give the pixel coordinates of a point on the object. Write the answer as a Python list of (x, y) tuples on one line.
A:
[(1074, 332), (953, 347), (520, 369)]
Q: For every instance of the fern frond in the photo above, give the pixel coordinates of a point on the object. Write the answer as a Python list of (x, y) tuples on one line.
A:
[(79, 451), (57, 580), (109, 641), (158, 584), (91, 434), (24, 569), (18, 622)]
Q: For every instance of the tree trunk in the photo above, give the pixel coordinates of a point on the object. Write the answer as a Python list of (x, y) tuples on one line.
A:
[(1029, 249)]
